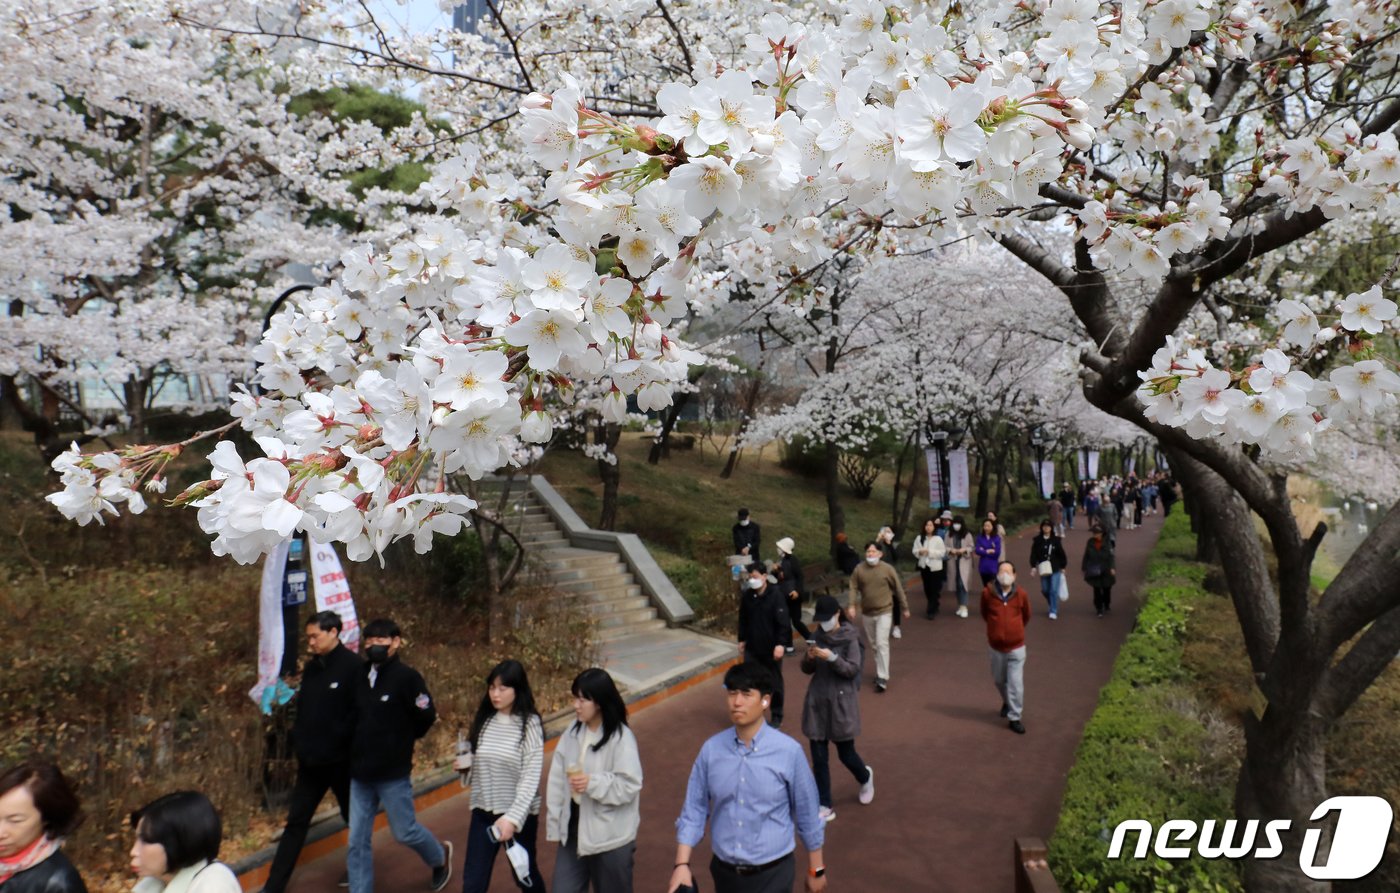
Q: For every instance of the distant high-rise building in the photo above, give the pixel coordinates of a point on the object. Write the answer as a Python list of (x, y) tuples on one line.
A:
[(467, 17)]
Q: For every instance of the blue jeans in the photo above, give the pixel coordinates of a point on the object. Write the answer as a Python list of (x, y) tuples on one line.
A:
[(1069, 516), (396, 796), (1050, 588)]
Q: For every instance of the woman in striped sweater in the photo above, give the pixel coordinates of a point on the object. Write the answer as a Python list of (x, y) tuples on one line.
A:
[(508, 743)]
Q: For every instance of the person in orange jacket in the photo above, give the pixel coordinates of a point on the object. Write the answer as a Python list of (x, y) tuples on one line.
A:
[(1006, 609)]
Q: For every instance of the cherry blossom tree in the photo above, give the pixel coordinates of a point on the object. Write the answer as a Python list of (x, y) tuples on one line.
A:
[(1138, 155), (156, 184)]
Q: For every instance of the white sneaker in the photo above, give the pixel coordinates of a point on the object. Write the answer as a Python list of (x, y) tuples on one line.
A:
[(962, 610), (1054, 616), (826, 813), (896, 634), (867, 790)]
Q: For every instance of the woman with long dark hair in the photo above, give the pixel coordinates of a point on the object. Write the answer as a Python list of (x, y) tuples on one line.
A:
[(508, 743), (1048, 561), (1098, 566), (38, 810), (594, 792), (929, 553), (964, 562)]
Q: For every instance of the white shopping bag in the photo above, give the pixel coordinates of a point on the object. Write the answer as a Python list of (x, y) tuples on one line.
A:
[(1064, 590)]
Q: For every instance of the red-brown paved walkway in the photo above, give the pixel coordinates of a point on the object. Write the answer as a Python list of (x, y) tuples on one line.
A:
[(953, 785)]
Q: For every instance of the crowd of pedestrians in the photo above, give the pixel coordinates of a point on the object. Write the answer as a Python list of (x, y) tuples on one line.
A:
[(751, 786)]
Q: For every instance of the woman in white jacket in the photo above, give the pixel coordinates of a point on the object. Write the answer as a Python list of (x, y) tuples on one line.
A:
[(930, 551), (594, 792)]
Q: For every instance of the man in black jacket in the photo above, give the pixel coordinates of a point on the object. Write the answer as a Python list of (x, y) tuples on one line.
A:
[(746, 534), (325, 721), (763, 630), (393, 710)]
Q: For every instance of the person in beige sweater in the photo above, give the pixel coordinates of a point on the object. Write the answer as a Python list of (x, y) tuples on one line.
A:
[(876, 593)]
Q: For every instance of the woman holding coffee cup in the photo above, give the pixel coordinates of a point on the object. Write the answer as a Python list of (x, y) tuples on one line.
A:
[(594, 792)]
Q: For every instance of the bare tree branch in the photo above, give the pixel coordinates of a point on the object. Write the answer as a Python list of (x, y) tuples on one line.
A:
[(680, 38), (514, 46)]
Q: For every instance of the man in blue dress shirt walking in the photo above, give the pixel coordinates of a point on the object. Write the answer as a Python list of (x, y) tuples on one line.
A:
[(753, 785)]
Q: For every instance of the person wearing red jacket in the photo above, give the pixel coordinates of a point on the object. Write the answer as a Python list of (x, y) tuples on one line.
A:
[(1006, 609)]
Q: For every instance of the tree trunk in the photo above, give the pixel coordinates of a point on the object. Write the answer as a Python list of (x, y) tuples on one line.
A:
[(836, 515), (1201, 524), (661, 447), (1284, 777), (749, 406), (984, 479), (134, 394), (899, 520), (906, 511), (610, 472)]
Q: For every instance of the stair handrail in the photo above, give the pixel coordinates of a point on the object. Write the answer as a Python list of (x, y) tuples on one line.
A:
[(667, 600)]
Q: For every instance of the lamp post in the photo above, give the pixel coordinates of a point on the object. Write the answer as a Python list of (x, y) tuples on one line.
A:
[(1038, 441), (940, 445)]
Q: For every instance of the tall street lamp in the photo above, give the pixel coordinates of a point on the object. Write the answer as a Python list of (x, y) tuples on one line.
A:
[(1038, 441), (940, 445)]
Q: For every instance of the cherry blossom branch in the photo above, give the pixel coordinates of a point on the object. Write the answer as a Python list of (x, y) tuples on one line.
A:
[(387, 57)]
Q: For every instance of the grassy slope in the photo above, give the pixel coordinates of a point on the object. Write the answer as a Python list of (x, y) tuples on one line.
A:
[(133, 647)]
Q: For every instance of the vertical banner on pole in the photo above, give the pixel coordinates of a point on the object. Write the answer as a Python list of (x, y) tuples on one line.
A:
[(958, 485), (935, 479), (1045, 477), (1129, 464), (1093, 465), (1083, 458), (270, 630), (333, 592)]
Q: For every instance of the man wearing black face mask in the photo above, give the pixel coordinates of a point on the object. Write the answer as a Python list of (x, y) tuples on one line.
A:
[(321, 735), (394, 710)]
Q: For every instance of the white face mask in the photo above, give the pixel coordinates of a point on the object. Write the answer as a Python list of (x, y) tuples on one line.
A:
[(744, 523), (872, 560), (829, 625), (1006, 580), (957, 527), (755, 582)]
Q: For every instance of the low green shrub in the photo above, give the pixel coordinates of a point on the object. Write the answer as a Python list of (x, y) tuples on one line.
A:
[(1153, 750), (803, 456)]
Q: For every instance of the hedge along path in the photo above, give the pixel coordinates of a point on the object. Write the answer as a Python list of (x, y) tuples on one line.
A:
[(1149, 751), (954, 786)]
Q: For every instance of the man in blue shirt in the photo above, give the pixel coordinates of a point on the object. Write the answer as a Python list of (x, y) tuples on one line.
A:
[(753, 785)]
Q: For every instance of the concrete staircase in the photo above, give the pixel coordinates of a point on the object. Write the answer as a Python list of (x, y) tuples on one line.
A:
[(599, 582)]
